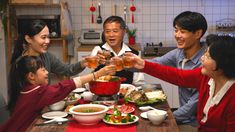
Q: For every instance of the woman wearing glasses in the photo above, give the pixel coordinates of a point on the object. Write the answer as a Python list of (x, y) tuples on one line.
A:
[(214, 80)]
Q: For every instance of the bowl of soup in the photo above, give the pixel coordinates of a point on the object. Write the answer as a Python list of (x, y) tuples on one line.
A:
[(88, 114)]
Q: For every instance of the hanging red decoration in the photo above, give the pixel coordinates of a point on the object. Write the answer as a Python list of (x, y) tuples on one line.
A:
[(92, 9), (132, 9)]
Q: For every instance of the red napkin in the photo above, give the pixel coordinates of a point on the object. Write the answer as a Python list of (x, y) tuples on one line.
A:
[(100, 127)]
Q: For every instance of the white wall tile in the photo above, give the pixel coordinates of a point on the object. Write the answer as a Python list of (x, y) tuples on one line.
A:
[(152, 17)]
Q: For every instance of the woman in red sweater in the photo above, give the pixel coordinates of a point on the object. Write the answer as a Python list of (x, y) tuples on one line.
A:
[(214, 80), (30, 92)]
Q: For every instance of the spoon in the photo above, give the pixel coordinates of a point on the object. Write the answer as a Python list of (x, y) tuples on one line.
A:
[(146, 108), (59, 120)]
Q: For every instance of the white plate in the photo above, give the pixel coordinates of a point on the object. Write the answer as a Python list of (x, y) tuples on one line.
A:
[(144, 115), (111, 123), (79, 90), (127, 86), (54, 114)]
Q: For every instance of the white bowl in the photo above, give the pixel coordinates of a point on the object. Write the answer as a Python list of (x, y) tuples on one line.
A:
[(156, 116), (87, 96), (88, 118), (57, 106)]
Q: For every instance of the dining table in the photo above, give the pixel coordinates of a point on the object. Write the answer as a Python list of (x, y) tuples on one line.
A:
[(143, 125)]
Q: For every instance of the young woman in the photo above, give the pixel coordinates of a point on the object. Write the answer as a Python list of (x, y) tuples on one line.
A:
[(214, 81), (30, 92), (34, 40)]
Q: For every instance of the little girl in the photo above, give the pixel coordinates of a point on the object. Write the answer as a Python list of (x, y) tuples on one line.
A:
[(29, 91)]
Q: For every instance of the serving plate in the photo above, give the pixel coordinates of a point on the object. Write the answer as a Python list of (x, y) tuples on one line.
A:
[(127, 123), (124, 109), (54, 114), (124, 88)]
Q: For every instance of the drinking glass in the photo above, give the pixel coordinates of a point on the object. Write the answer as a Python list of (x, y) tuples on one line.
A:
[(92, 61), (106, 54), (128, 61), (117, 61)]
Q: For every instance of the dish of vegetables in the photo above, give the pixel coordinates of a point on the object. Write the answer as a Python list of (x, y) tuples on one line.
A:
[(117, 118)]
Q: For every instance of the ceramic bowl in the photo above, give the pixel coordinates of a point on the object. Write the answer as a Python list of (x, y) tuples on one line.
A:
[(57, 106), (88, 114), (156, 116)]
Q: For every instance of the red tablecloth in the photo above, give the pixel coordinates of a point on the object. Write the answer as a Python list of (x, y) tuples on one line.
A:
[(101, 127)]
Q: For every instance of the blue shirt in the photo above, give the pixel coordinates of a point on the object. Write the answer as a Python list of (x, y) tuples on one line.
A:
[(188, 97)]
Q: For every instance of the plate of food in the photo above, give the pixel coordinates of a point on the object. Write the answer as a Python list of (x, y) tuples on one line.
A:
[(142, 98), (124, 109), (122, 119), (126, 88), (54, 114), (72, 99)]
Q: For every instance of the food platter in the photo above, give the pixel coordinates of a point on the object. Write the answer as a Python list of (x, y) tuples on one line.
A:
[(144, 98), (135, 119), (125, 88), (54, 114), (125, 109)]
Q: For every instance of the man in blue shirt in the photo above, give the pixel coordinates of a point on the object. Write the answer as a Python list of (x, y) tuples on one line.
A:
[(189, 28)]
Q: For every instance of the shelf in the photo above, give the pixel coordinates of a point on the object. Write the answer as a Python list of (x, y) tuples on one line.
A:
[(34, 4)]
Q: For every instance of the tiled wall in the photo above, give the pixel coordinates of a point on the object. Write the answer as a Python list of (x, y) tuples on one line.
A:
[(153, 18)]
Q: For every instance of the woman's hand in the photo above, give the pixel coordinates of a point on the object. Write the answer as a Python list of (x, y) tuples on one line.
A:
[(138, 62), (107, 70)]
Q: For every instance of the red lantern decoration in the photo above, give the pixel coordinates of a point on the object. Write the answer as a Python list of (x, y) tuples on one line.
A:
[(132, 9), (92, 9)]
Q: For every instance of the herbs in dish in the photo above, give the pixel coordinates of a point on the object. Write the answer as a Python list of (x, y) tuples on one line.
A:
[(118, 118)]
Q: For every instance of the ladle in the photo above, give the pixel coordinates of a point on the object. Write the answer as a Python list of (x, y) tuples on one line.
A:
[(146, 108)]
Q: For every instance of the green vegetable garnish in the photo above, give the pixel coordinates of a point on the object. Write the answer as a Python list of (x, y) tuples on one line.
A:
[(107, 117), (116, 112), (114, 79), (124, 120)]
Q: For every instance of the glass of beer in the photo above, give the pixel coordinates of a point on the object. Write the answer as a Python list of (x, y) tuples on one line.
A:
[(117, 61), (92, 61), (107, 54), (128, 61)]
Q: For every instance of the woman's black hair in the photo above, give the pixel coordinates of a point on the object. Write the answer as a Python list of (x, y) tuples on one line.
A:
[(17, 76), (222, 50), (191, 21), (33, 27)]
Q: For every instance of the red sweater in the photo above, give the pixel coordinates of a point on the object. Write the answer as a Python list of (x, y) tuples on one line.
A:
[(30, 105), (221, 117)]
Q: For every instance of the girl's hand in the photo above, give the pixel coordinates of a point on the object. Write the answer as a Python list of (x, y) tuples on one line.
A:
[(138, 62), (107, 70)]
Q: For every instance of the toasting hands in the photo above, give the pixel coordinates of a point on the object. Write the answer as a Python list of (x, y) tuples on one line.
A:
[(138, 62)]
